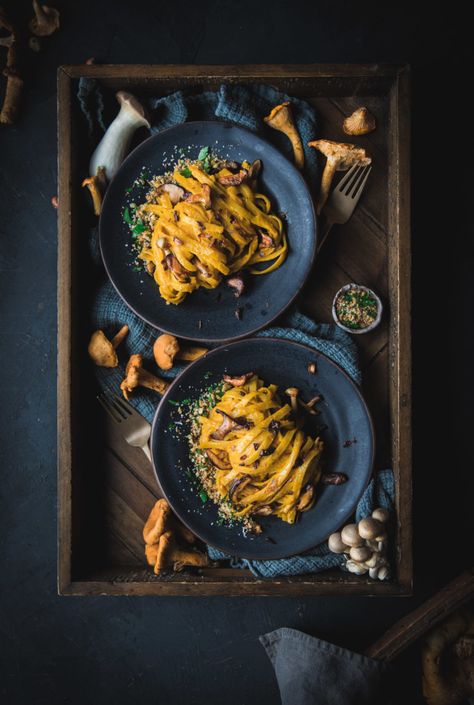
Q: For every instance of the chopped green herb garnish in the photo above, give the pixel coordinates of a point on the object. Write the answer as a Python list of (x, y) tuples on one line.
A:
[(137, 269), (127, 217), (203, 154), (129, 189), (203, 496), (139, 228), (186, 172), (173, 402)]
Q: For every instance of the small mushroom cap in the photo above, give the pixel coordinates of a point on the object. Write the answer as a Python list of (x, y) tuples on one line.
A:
[(361, 122), (336, 544), (356, 568), (381, 514), (350, 535), (370, 528), (133, 106), (343, 154), (360, 553), (101, 350), (165, 349), (280, 115)]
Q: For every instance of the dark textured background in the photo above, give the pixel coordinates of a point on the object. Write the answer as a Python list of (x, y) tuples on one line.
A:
[(125, 650)]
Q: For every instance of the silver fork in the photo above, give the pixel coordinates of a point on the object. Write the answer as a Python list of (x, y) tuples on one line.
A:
[(134, 428), (344, 199)]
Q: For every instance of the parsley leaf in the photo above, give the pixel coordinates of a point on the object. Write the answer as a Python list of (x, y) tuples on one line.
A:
[(139, 228), (186, 172), (127, 217), (203, 154)]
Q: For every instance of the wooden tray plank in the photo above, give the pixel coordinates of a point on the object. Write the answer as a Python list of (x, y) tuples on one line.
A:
[(417, 623), (317, 302), (133, 459)]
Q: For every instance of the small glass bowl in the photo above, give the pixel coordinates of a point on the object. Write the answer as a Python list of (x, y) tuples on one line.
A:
[(376, 320)]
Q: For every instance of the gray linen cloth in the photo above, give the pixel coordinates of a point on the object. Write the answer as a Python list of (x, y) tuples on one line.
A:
[(310, 671)]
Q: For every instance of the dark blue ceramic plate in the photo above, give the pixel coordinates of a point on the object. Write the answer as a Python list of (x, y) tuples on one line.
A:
[(209, 315), (343, 411)]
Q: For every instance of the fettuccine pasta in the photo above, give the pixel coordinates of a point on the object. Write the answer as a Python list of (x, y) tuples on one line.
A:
[(204, 227), (264, 464)]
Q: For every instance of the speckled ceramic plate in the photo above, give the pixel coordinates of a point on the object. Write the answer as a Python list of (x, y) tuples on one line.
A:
[(344, 424), (210, 315)]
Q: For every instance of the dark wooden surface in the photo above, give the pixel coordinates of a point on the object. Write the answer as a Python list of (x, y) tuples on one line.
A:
[(373, 248), (176, 650)]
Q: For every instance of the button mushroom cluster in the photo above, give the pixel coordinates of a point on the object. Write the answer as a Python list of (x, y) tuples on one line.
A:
[(365, 545), (164, 537)]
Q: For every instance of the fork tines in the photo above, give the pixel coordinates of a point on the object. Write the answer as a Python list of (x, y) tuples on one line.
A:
[(353, 182)]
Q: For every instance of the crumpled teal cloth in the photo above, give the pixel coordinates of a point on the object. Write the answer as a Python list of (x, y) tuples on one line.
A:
[(379, 493), (109, 313), (245, 106)]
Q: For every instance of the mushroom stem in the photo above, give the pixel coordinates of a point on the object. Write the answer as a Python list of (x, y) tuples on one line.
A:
[(114, 145), (11, 101), (191, 353), (118, 337), (169, 554), (281, 119), (293, 392), (137, 376), (96, 184)]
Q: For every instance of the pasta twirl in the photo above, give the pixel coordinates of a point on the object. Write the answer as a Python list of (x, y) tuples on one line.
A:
[(208, 228), (264, 463)]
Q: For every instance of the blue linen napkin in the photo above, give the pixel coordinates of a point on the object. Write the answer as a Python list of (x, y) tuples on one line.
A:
[(245, 106)]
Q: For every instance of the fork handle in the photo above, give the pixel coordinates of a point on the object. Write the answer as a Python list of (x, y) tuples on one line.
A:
[(327, 225), (146, 450)]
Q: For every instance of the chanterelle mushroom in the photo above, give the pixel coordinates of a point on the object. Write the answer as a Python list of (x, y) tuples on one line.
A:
[(361, 122), (136, 376), (281, 119), (102, 350), (96, 185), (167, 348), (170, 555), (164, 351), (45, 21), (11, 101), (340, 156), (160, 520)]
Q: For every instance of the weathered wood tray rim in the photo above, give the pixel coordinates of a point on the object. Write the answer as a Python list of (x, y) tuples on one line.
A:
[(388, 79)]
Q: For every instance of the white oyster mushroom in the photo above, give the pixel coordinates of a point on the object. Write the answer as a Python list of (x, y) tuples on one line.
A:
[(114, 145)]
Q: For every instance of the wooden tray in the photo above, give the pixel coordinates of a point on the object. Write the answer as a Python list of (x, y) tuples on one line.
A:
[(107, 488)]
